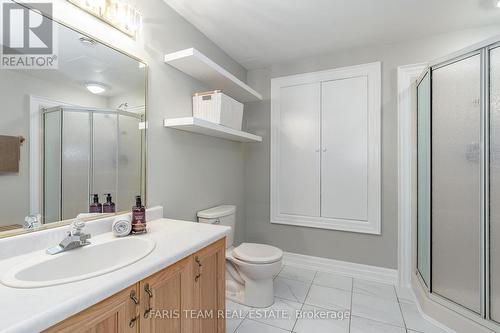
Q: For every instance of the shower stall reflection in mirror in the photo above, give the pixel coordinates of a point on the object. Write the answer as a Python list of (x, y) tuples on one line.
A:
[(88, 151), (458, 184)]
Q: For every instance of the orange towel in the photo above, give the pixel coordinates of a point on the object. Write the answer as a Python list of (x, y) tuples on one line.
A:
[(10, 153)]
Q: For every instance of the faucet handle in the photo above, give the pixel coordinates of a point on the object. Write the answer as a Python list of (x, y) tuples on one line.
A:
[(77, 227), (84, 238)]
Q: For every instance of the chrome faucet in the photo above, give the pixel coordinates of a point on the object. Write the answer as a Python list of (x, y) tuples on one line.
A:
[(76, 238)]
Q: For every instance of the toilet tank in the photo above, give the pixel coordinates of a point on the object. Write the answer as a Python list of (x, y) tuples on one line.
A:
[(223, 215)]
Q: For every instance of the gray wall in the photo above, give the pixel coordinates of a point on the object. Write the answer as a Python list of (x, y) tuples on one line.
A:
[(352, 247), (186, 172)]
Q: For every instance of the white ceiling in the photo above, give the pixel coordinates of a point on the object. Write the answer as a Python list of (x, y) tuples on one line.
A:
[(80, 63), (257, 33)]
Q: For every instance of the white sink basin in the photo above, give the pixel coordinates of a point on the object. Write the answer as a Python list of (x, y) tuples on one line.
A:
[(82, 263)]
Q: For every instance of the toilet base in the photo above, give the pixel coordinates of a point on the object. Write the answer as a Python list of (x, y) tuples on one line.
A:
[(256, 294), (259, 293)]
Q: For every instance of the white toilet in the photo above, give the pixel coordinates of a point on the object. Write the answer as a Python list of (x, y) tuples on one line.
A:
[(250, 267)]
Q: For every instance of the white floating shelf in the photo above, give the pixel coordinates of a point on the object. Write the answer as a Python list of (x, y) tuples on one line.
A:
[(204, 127), (196, 64)]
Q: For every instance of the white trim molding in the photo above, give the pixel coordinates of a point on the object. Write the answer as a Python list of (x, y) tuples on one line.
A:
[(370, 225), (359, 271), (406, 76)]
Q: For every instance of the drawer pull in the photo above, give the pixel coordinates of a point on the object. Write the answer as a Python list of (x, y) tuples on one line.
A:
[(132, 321), (133, 297), (198, 261), (150, 293)]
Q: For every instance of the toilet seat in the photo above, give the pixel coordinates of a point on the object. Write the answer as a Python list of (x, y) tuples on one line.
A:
[(257, 253)]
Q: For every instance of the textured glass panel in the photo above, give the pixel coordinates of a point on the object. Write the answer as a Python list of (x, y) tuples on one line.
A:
[(424, 177), (75, 163), (129, 162), (105, 145), (456, 240), (52, 167), (495, 184)]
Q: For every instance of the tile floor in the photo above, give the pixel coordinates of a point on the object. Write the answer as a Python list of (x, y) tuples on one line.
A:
[(374, 307)]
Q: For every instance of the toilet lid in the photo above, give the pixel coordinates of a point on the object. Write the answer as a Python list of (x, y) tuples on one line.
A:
[(257, 253)]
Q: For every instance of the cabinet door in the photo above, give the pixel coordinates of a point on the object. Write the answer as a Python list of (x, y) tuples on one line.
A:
[(117, 314), (165, 297), (299, 154), (344, 168), (209, 288)]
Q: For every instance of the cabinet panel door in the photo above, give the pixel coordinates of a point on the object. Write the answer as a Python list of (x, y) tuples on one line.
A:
[(113, 315), (299, 157), (165, 297), (209, 288), (344, 167)]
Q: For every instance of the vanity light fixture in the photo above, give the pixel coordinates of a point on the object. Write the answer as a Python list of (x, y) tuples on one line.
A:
[(117, 13), (95, 88)]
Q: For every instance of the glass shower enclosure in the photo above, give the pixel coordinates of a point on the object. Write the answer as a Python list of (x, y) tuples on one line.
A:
[(458, 183), (87, 151)]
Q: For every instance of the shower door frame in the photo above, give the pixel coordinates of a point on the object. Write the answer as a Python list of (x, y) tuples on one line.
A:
[(91, 111), (484, 317)]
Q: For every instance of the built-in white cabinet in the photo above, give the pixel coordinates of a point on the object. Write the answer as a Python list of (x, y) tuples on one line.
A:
[(299, 176), (325, 149)]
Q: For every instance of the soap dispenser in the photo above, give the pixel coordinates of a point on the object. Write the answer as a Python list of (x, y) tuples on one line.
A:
[(109, 205), (138, 217), (95, 206)]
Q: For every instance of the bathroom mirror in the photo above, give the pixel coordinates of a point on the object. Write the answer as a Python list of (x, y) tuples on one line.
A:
[(69, 132)]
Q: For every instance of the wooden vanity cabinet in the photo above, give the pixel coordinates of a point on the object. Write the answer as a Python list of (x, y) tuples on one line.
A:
[(209, 288), (186, 297), (164, 298), (118, 313)]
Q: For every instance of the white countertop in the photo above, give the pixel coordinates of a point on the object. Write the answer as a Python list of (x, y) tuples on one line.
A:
[(33, 310)]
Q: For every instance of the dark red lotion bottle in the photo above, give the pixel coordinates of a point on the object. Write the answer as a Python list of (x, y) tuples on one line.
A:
[(138, 216), (109, 205), (95, 206)]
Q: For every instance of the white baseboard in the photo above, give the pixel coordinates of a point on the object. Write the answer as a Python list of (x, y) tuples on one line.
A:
[(366, 272)]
